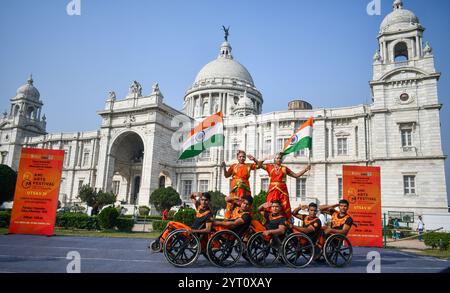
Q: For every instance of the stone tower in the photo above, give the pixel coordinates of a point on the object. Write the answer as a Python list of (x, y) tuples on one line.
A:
[(23, 120)]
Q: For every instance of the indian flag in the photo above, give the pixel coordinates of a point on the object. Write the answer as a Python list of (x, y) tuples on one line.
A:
[(301, 139), (208, 133)]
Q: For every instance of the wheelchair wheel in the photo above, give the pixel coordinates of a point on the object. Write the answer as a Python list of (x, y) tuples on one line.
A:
[(181, 248), (155, 245), (262, 252), (338, 250), (224, 248), (297, 250)]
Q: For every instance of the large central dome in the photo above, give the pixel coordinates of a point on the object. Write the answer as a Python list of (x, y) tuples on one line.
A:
[(224, 67)]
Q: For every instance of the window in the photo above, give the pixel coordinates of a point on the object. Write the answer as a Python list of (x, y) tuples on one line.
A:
[(85, 159), (80, 184), (356, 141), (205, 109), (187, 188), (340, 188), (234, 149), (264, 184), (300, 153), (66, 157), (162, 181), (401, 52), (3, 159), (342, 146), (267, 147), (115, 187), (409, 184), (279, 145), (406, 137), (203, 185), (300, 188), (206, 154)]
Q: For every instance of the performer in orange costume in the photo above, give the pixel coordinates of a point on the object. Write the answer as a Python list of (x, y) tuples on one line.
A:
[(277, 187), (240, 173)]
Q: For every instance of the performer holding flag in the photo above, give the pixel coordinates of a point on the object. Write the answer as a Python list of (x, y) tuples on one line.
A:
[(301, 139)]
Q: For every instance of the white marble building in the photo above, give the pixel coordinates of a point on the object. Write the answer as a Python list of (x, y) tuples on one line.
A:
[(131, 153)]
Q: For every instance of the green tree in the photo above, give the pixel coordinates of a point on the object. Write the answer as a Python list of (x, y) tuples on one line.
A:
[(165, 198), (217, 201), (257, 201), (7, 183), (95, 199)]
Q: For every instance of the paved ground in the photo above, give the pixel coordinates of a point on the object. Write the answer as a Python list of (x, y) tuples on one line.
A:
[(22, 253), (410, 243)]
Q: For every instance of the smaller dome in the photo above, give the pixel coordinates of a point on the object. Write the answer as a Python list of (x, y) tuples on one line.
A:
[(28, 91), (399, 19), (245, 101)]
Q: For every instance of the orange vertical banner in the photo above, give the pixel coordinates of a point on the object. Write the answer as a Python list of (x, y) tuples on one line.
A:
[(362, 188), (37, 191)]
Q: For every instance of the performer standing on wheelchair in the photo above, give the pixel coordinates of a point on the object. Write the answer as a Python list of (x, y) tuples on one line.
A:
[(341, 222), (311, 223), (277, 186), (240, 174)]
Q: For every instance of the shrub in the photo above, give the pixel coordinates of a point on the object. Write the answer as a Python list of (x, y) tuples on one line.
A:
[(159, 225), (185, 216), (144, 210), (165, 198), (77, 221), (4, 219), (108, 218), (125, 224), (217, 201), (257, 201), (437, 240), (8, 183)]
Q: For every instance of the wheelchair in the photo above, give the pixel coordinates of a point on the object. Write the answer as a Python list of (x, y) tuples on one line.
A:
[(335, 249), (182, 248), (294, 249)]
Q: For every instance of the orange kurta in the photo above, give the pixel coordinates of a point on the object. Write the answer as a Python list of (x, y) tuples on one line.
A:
[(240, 184), (278, 189)]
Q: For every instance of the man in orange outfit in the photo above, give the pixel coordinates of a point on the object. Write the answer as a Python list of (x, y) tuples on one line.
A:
[(277, 187), (240, 174)]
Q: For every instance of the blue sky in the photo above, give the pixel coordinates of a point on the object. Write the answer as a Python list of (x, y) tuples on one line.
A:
[(320, 51)]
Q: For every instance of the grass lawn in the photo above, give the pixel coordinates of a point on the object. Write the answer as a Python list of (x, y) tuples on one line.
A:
[(435, 252), (108, 233)]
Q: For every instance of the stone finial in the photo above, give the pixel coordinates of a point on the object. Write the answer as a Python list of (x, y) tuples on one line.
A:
[(30, 80), (155, 88), (398, 4), (377, 56), (112, 96), (5, 114), (44, 117), (135, 89), (427, 50)]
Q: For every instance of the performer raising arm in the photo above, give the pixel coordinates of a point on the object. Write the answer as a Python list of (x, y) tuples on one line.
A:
[(277, 187), (240, 174)]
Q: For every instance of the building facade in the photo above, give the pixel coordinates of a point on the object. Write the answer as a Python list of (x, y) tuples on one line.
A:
[(134, 151)]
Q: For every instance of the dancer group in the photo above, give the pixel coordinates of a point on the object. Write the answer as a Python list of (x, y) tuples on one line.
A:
[(276, 211)]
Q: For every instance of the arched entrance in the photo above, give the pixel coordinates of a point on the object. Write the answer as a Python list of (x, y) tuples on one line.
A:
[(126, 158)]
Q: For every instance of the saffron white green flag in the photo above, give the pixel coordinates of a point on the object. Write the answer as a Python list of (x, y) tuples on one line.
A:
[(301, 139), (208, 133)]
